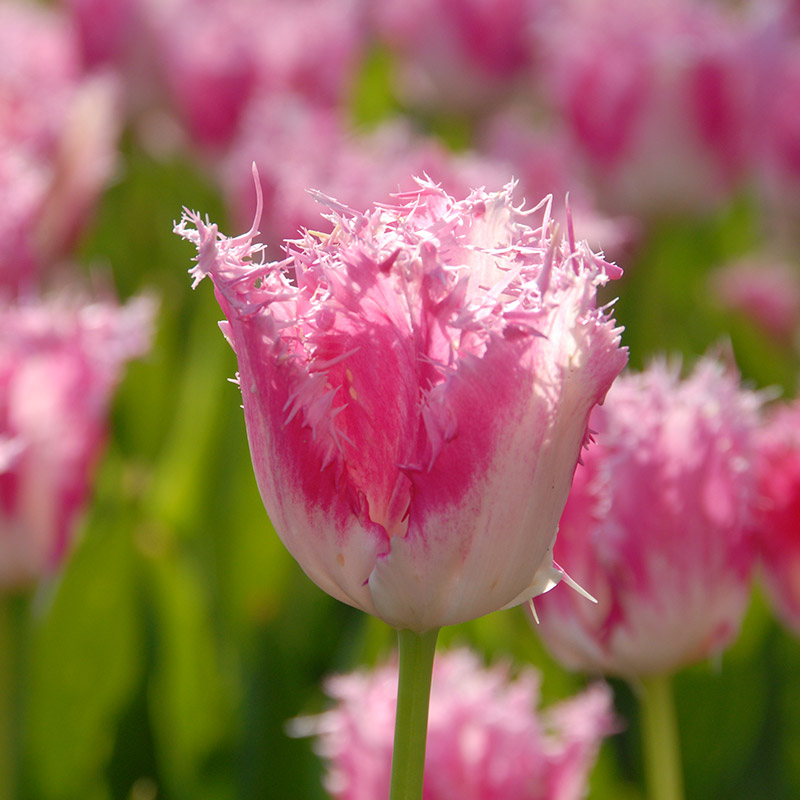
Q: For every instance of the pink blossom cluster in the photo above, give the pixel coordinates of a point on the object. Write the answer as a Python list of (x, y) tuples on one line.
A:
[(60, 355), (485, 736), (661, 107), (658, 525), (660, 98), (252, 81), (207, 60)]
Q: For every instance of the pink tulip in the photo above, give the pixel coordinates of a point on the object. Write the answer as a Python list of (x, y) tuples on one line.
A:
[(216, 56), (485, 739), (658, 97), (59, 363), (779, 115), (296, 145), (545, 163), (778, 520), (106, 28), (766, 291), (58, 132), (656, 525), (461, 55), (416, 386)]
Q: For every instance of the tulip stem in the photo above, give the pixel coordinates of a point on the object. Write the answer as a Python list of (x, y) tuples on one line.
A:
[(416, 653), (11, 619), (662, 755)]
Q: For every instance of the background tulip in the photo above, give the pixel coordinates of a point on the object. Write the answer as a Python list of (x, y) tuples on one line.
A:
[(657, 528), (59, 362), (486, 739), (777, 524)]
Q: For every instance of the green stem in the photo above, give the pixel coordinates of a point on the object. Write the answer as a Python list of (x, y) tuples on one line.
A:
[(411, 725), (662, 756), (12, 619)]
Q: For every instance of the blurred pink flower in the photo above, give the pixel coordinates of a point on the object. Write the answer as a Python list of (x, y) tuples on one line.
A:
[(779, 114), (458, 55), (296, 146), (58, 133), (416, 386), (768, 292), (105, 28), (659, 97), (656, 525), (215, 56), (59, 362), (544, 163), (485, 738), (778, 520)]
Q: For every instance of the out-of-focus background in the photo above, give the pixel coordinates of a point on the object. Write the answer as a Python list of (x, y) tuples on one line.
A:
[(165, 656)]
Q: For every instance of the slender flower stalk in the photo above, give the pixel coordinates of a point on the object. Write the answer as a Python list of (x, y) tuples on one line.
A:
[(7, 736), (13, 615), (661, 743), (411, 722)]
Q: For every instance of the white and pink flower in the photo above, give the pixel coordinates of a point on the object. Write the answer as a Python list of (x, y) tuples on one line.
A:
[(58, 130), (657, 525), (486, 738), (416, 386), (765, 290), (659, 97), (59, 363), (777, 525)]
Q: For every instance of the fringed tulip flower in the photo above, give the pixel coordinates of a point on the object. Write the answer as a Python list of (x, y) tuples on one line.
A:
[(59, 363), (656, 525), (416, 386), (485, 738), (778, 518)]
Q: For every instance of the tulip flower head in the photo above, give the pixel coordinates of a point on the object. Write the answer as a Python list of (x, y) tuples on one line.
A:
[(416, 385), (58, 131), (656, 525), (59, 363), (764, 290), (778, 518), (485, 738)]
